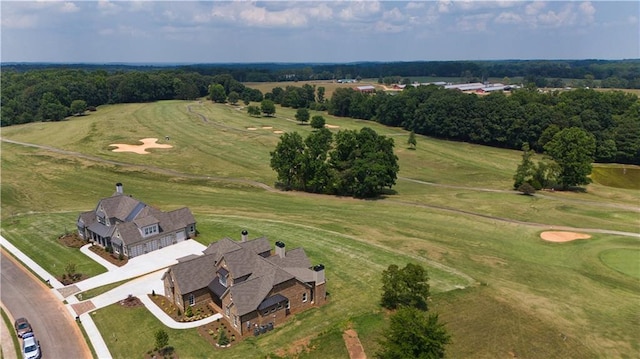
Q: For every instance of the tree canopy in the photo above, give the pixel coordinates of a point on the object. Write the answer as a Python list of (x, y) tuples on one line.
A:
[(406, 287), (414, 334), (572, 149), (354, 163)]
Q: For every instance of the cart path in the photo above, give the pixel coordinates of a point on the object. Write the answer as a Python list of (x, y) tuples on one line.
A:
[(407, 203)]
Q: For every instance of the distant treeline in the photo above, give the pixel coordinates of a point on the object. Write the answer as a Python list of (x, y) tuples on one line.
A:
[(526, 116), (500, 120), (603, 73)]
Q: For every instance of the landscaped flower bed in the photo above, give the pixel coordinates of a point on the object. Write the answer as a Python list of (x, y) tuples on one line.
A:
[(198, 311)]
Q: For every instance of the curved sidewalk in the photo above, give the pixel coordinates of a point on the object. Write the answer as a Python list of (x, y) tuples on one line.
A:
[(144, 274)]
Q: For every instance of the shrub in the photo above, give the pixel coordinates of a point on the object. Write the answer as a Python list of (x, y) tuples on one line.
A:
[(188, 312), (223, 339)]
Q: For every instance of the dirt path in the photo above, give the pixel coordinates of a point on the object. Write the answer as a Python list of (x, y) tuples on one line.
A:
[(354, 347), (407, 203)]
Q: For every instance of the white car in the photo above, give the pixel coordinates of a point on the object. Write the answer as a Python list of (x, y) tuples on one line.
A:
[(30, 347)]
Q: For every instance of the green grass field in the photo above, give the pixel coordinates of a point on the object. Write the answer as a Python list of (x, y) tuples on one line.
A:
[(500, 288)]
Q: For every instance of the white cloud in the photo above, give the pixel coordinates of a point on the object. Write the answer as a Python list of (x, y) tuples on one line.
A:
[(534, 8), (414, 5), (565, 17), (443, 6), (107, 7), (359, 10), (473, 22), (588, 12), (69, 7), (19, 21), (508, 18), (394, 15)]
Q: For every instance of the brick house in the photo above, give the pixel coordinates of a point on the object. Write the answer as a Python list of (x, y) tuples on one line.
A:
[(131, 227), (248, 283)]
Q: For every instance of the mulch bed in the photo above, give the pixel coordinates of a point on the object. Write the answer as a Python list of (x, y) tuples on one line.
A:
[(110, 257), (200, 311), (131, 302), (211, 332), (71, 240), (168, 353)]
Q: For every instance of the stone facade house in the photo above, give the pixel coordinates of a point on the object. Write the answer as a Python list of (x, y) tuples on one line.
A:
[(249, 284), (133, 228)]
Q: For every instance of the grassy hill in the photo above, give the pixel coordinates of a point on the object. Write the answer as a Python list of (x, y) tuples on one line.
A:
[(501, 289)]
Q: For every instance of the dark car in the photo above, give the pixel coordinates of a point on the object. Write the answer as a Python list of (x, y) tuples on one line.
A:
[(22, 327)]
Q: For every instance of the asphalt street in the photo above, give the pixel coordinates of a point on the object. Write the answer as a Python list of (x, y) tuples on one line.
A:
[(23, 295)]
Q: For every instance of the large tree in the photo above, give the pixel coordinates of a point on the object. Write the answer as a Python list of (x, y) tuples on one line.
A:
[(268, 107), (414, 334), (526, 168), (217, 93), (364, 163), (572, 149), (406, 287), (302, 115), (287, 160)]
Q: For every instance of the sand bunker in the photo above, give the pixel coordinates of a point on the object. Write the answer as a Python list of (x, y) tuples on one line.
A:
[(251, 128), (331, 126), (555, 236), (139, 149), (266, 127), (278, 132)]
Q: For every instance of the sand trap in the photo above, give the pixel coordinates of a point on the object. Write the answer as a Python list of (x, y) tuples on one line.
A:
[(331, 126), (266, 127), (278, 132), (554, 236), (139, 149), (251, 128)]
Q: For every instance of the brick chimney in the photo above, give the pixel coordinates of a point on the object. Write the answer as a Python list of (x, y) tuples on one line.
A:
[(280, 250), (318, 274), (245, 235)]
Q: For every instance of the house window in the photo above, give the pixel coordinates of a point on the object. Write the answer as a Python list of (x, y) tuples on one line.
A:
[(223, 280), (266, 312), (288, 305), (304, 297), (235, 321), (192, 299), (227, 311)]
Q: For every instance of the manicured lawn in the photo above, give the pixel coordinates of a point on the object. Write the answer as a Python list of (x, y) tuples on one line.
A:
[(499, 287)]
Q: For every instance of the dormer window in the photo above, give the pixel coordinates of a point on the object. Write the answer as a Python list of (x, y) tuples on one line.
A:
[(150, 230)]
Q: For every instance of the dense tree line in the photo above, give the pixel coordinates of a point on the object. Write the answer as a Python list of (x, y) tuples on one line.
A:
[(351, 163), (509, 121), (48, 94)]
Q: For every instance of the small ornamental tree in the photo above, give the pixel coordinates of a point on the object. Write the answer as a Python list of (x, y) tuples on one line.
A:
[(223, 339), (78, 107), (162, 339), (527, 189), (188, 312)]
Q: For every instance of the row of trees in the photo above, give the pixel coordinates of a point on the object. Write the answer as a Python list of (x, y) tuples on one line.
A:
[(352, 163), (50, 95), (525, 116), (624, 72), (413, 332)]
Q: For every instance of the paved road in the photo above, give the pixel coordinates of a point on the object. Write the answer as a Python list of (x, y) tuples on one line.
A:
[(23, 295)]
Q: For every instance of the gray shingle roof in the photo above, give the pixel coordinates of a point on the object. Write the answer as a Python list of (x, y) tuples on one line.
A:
[(127, 215), (242, 260), (193, 274)]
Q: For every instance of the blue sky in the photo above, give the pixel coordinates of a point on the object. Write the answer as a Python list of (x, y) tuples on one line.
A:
[(316, 31)]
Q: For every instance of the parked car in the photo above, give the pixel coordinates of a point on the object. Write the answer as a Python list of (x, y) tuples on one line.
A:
[(22, 327), (30, 347)]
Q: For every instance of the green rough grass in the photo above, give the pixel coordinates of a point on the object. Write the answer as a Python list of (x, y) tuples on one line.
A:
[(620, 176), (624, 260), (547, 287)]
